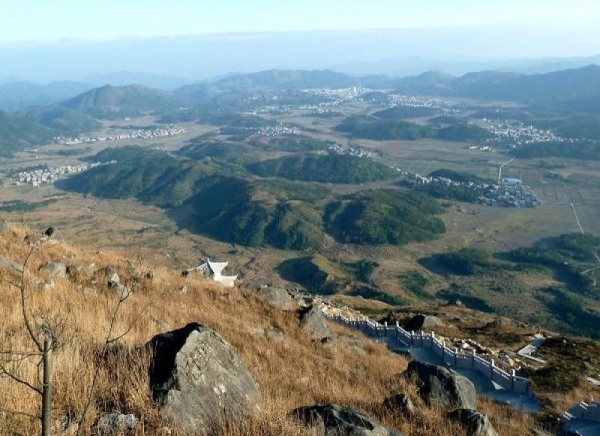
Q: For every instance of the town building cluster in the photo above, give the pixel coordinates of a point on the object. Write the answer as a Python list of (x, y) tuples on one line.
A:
[(136, 134), (512, 135), (510, 192), (42, 176), (278, 130), (422, 102), (351, 150)]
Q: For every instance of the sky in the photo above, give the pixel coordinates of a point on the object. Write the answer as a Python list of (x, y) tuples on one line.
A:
[(26, 21)]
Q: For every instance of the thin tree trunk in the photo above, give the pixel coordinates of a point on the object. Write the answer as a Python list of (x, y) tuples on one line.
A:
[(47, 390)]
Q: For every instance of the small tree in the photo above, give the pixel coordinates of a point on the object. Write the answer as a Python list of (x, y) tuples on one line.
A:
[(44, 341)]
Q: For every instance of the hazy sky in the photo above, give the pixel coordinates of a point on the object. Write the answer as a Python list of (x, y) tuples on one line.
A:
[(53, 20)]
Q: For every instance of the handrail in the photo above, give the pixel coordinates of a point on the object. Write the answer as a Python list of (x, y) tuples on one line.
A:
[(452, 356)]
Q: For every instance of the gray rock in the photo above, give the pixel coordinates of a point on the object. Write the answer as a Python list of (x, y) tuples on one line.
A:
[(341, 421), (423, 322), (54, 269), (313, 321), (443, 386), (255, 284), (5, 262), (116, 424), (476, 423), (400, 403), (277, 297), (197, 380), (111, 275)]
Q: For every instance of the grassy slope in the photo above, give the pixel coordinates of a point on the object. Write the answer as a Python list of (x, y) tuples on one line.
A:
[(313, 373)]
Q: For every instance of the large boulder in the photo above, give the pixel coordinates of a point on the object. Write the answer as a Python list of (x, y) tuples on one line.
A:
[(423, 322), (198, 381), (54, 269), (476, 423), (313, 321), (443, 386), (277, 297), (340, 421)]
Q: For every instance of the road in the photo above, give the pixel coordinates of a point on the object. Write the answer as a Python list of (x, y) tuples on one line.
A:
[(573, 208)]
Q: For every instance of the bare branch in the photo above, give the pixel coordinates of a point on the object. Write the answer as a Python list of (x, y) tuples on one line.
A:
[(19, 380), (22, 353), (110, 341), (26, 320), (14, 412)]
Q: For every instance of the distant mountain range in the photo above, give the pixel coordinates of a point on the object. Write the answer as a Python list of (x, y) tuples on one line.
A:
[(411, 66), (577, 89), (573, 91), (124, 78), (20, 95)]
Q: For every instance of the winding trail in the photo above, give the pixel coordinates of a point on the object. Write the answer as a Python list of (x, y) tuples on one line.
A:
[(525, 402)]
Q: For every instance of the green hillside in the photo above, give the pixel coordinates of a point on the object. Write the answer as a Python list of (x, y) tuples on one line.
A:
[(553, 283), (383, 217), (233, 152), (125, 101), (332, 168), (274, 213), (148, 175), (402, 112), (253, 214), (377, 129), (292, 143), (62, 121), (18, 133), (463, 133)]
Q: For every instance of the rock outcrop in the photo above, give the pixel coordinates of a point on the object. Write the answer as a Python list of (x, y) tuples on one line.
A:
[(341, 421), (443, 386), (197, 380), (313, 321), (476, 423), (54, 270), (277, 297), (423, 322)]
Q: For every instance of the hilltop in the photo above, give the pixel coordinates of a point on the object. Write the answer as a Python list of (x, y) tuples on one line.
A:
[(332, 168), (124, 101), (350, 371)]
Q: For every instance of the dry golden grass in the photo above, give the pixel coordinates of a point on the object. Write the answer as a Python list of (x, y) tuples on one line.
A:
[(294, 372)]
